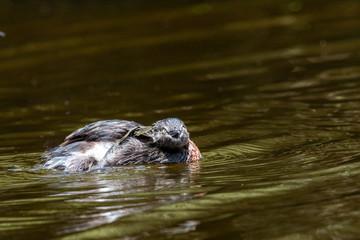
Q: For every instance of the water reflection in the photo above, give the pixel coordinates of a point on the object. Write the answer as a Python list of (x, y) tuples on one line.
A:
[(98, 197)]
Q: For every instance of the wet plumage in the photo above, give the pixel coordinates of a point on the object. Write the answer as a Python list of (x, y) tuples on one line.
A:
[(121, 142)]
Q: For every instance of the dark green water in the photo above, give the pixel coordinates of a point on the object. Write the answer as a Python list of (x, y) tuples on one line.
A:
[(269, 90)]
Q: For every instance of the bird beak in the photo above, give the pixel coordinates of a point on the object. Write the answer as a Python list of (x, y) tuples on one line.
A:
[(144, 131)]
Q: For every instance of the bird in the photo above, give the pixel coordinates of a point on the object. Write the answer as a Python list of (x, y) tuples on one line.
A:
[(116, 142)]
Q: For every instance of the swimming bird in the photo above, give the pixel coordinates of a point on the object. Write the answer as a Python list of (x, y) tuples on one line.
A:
[(121, 142)]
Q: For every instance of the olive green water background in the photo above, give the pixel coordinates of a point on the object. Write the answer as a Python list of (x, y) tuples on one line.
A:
[(269, 90)]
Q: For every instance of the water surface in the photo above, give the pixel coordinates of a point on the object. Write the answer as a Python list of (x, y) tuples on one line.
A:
[(269, 91)]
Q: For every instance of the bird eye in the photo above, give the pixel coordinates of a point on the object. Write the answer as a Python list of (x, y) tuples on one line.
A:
[(163, 130)]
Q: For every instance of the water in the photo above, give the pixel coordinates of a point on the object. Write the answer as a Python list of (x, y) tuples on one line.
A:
[(268, 89)]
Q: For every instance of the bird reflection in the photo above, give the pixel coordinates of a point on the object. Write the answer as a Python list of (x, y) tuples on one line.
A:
[(113, 193)]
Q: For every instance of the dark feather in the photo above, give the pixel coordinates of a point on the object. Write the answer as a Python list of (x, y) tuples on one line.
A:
[(106, 130)]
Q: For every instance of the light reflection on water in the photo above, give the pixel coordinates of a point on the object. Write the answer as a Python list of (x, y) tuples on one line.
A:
[(271, 98)]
